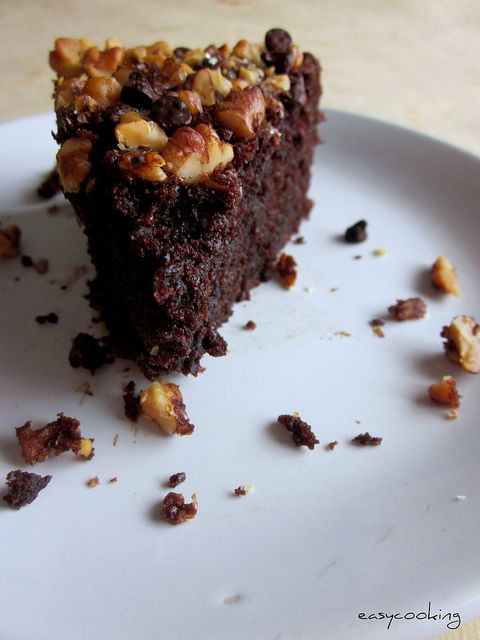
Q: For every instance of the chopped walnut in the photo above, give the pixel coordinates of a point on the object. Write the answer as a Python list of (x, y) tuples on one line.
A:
[(410, 309), (445, 392), (73, 163), (67, 56), (163, 403), (131, 402), (331, 446), (10, 241), (134, 131), (93, 482), (175, 510), (176, 479), (23, 487), (54, 438), (366, 440), (143, 164), (444, 276), (242, 112), (207, 82), (302, 433), (280, 82), (462, 342)]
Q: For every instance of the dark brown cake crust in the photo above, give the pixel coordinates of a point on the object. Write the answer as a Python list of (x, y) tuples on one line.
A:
[(171, 257), (24, 487)]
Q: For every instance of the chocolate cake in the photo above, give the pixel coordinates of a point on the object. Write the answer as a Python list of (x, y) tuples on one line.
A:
[(188, 170)]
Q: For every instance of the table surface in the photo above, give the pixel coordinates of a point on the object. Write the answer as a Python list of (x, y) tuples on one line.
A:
[(411, 62)]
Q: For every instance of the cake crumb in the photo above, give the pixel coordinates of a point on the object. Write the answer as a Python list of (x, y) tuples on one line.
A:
[(331, 445), (54, 438), (302, 433), (334, 289), (357, 257), (26, 261), (287, 270), (113, 480), (93, 482), (343, 334), (10, 241), (299, 240), (366, 440), (23, 487), (250, 325), (89, 352), (176, 479), (175, 510), (115, 440), (409, 309), (41, 266), (452, 414), (357, 232), (53, 209), (50, 186), (49, 318), (131, 402)]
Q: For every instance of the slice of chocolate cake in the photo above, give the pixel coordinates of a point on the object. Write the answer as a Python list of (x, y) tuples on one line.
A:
[(188, 170)]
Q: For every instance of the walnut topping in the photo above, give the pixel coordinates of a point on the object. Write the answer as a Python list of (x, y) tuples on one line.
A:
[(67, 90), (207, 82), (134, 131), (105, 91), (280, 82), (462, 343), (410, 309), (10, 241), (444, 276), (146, 165), (192, 100), (243, 112), (177, 73), (252, 75), (100, 64), (193, 153), (194, 57), (445, 392), (66, 59), (163, 403), (73, 163)]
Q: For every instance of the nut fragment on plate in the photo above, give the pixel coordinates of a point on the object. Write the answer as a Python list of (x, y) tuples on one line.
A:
[(23, 487), (163, 403), (410, 309), (242, 112), (287, 269), (444, 276), (445, 392), (63, 434), (175, 510), (10, 241), (73, 163), (462, 342)]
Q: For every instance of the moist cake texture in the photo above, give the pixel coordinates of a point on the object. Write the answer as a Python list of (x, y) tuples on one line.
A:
[(188, 170)]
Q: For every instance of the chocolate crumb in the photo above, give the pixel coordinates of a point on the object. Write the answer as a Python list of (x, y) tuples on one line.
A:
[(23, 487), (10, 241), (89, 352), (299, 240), (240, 491), (302, 433), (250, 326), (410, 309), (358, 257), (26, 261), (41, 266), (115, 440), (93, 482), (377, 322), (175, 510), (63, 434), (357, 232), (176, 479), (131, 402), (331, 445), (287, 269), (50, 186), (49, 318), (366, 440), (113, 480)]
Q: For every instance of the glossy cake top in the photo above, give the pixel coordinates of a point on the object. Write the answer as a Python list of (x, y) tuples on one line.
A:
[(167, 111)]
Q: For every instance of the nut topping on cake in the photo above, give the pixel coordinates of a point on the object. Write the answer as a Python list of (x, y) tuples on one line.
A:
[(207, 82), (66, 59), (134, 131), (243, 112), (146, 165), (73, 163)]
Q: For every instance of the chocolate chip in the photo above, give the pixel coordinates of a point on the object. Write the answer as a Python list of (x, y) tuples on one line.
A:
[(171, 112), (281, 61), (357, 232), (278, 41), (138, 91), (211, 59), (27, 261)]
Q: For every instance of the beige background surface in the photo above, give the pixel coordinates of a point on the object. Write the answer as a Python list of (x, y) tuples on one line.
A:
[(412, 62)]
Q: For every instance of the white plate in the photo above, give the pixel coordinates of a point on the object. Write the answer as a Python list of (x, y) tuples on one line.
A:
[(326, 535)]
